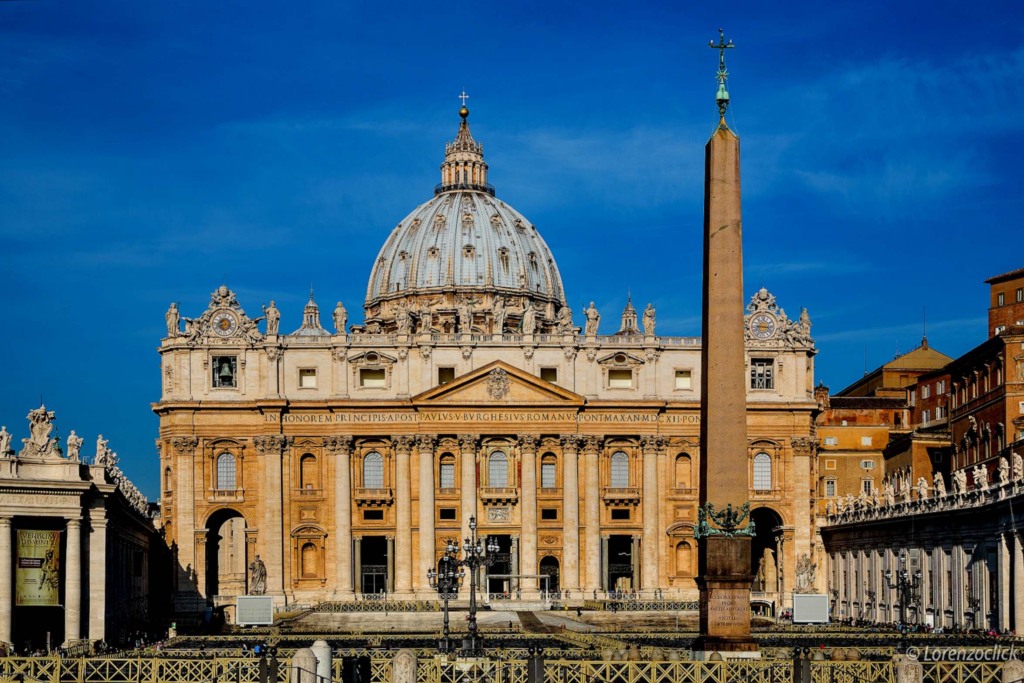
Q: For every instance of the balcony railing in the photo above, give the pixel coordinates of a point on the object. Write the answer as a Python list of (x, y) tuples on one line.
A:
[(373, 497), (619, 495), (498, 495)]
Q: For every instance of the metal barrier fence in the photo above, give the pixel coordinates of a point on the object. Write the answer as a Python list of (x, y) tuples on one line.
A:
[(512, 668)]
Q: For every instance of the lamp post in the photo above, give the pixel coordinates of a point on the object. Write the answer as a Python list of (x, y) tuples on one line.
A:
[(447, 583), (474, 557), (906, 585)]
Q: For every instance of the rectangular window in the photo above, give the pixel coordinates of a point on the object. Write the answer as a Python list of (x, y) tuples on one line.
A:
[(865, 441), (940, 387), (926, 391), (867, 464), (549, 374), (548, 475), (1000, 299), (620, 379), (762, 373), (926, 416), (684, 379), (620, 513), (307, 378), (831, 440), (445, 375), (549, 514), (830, 488), (447, 475), (225, 372), (938, 412), (446, 514), (1020, 295), (373, 515), (372, 378)]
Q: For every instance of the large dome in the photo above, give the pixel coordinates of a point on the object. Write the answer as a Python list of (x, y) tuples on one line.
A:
[(464, 250)]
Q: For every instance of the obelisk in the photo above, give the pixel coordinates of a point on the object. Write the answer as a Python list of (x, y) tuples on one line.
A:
[(723, 541)]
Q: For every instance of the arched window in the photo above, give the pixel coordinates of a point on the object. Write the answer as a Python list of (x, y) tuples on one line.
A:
[(684, 559), (167, 479), (447, 474), (497, 469), (762, 472), (227, 478), (548, 471), (307, 472), (373, 470), (683, 471), (620, 470), (310, 570)]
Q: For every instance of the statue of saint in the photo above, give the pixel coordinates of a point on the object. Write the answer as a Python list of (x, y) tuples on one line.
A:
[(466, 315), (565, 319), (529, 318), (593, 319), (922, 488), (5, 441), (939, 484), (1018, 466), (173, 321), (257, 577), (1004, 470), (340, 319), (403, 320), (101, 451), (499, 312), (648, 320), (74, 445), (273, 318)]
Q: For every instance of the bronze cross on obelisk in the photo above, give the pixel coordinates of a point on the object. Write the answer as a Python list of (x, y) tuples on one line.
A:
[(723, 95)]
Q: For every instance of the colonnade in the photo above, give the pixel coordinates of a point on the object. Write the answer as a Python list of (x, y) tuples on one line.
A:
[(78, 576)]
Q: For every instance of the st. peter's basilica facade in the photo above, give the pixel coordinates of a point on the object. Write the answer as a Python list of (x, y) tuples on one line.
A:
[(345, 458)]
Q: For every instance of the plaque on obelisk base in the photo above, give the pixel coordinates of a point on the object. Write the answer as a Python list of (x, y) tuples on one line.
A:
[(723, 534)]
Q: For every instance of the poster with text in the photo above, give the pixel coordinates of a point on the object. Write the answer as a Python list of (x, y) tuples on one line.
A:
[(37, 573)]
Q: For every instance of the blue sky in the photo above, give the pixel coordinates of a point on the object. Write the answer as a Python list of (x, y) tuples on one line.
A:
[(151, 151)]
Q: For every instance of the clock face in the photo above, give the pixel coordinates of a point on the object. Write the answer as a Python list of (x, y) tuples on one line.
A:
[(762, 326), (224, 323)]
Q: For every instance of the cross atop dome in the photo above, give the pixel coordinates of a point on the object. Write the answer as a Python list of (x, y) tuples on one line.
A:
[(464, 167)]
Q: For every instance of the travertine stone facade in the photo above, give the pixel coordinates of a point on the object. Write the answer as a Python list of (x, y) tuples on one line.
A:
[(349, 457)]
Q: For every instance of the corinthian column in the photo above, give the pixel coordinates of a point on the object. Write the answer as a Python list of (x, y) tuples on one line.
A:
[(73, 583), (425, 446), (592, 519), (341, 447), (651, 543), (528, 561), (571, 512), (270, 448), (98, 572), (6, 580), (467, 442), (403, 514)]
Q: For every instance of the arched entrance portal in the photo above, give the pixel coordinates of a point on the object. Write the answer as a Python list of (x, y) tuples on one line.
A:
[(764, 551), (225, 554), (549, 568)]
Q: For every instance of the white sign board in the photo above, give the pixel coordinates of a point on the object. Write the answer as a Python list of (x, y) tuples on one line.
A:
[(809, 608), (254, 610)]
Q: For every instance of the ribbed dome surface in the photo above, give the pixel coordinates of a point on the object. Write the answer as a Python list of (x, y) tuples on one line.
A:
[(465, 240)]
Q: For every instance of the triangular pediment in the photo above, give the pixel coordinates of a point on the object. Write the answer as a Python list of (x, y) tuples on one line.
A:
[(498, 383)]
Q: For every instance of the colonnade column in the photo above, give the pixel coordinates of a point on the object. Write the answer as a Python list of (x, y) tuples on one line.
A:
[(391, 564), (603, 558), (425, 446), (98, 571), (6, 580), (649, 572), (528, 565), (514, 566), (357, 570), (343, 514), (403, 514), (73, 583), (467, 443), (1003, 576), (1018, 581), (637, 548), (592, 518), (571, 513)]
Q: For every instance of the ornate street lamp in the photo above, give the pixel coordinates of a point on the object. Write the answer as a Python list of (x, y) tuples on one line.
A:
[(906, 586), (474, 557), (447, 581)]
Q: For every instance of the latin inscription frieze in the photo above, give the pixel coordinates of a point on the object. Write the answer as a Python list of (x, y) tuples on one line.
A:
[(496, 416)]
